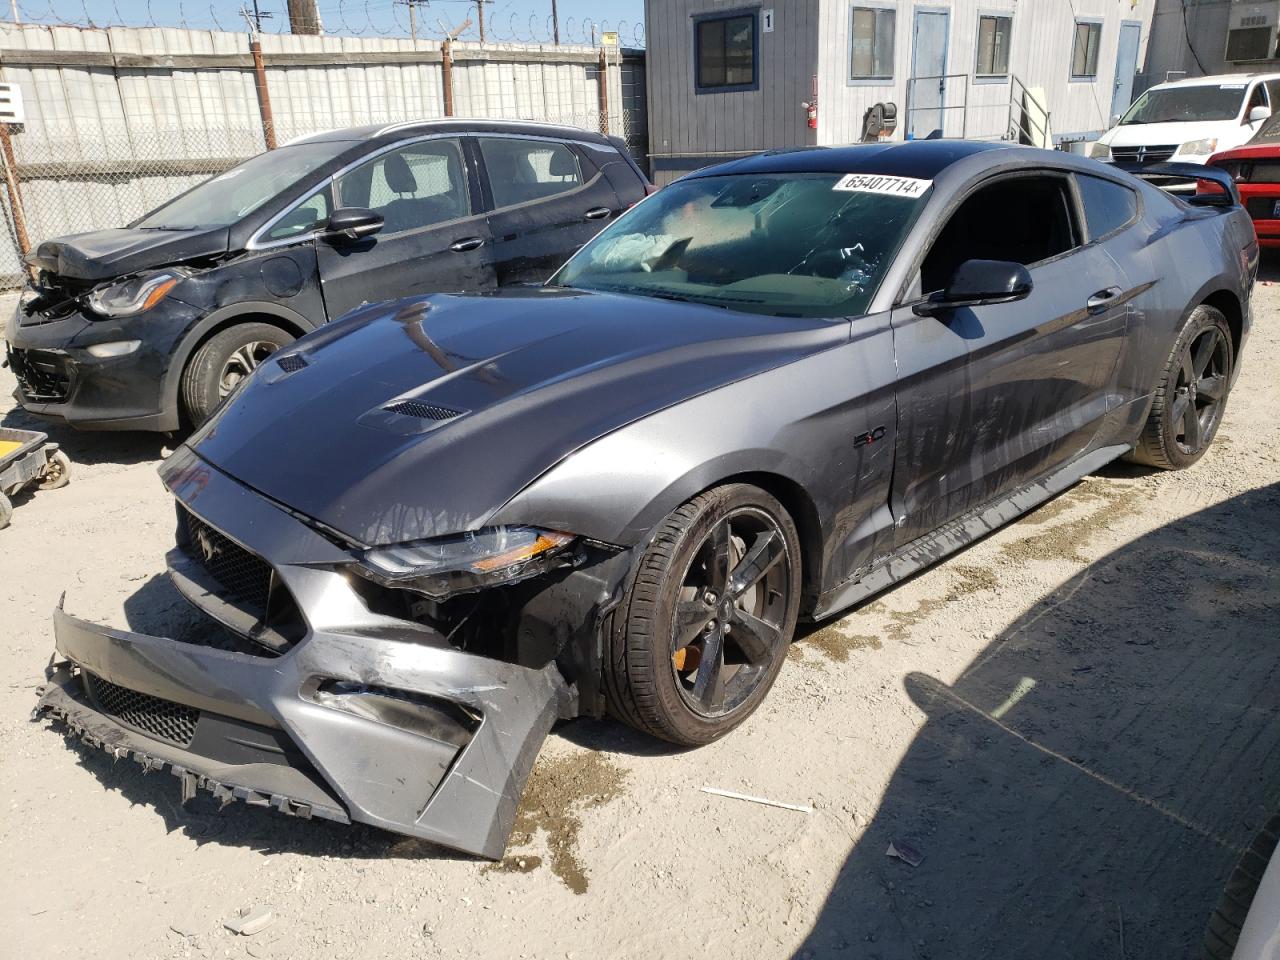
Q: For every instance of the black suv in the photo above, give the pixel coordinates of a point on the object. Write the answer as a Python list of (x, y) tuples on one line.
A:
[(143, 327)]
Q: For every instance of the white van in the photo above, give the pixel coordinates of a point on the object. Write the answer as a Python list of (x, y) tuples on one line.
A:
[(1189, 120)]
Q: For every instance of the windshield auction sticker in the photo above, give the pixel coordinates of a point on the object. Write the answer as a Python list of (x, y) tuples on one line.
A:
[(879, 183)]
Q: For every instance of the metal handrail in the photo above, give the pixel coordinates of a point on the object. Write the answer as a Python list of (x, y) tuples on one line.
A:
[(944, 77), (1026, 125)]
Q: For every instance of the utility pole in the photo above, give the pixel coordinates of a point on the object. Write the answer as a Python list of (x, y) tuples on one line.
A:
[(258, 16), (413, 16), (480, 16), (254, 23), (304, 17), (555, 23)]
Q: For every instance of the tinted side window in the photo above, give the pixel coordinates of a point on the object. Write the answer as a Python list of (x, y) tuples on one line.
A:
[(1022, 219), (1107, 206), (414, 186), (524, 170)]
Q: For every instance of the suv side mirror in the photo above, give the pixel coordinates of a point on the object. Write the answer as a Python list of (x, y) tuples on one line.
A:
[(977, 283), (1258, 113), (352, 223)]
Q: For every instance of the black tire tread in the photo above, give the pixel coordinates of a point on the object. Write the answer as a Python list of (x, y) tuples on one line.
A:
[(1228, 917), (198, 387)]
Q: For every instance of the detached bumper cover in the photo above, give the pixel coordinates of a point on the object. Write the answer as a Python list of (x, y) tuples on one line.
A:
[(366, 719)]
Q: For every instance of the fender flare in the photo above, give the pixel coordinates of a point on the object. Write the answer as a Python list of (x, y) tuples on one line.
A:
[(290, 320)]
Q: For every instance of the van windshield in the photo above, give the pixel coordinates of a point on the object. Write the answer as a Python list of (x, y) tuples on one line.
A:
[(802, 245), (234, 194), (1187, 105)]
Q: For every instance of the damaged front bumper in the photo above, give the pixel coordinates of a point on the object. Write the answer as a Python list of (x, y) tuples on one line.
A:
[(365, 718)]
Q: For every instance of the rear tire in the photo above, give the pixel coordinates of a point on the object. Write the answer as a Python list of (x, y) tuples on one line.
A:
[(57, 473), (1191, 395), (707, 618), (222, 362)]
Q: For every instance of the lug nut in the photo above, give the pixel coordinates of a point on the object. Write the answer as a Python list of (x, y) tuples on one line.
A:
[(709, 598), (711, 626)]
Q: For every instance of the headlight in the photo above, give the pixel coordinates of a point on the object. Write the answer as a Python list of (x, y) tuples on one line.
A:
[(444, 566), (1198, 148), (1100, 151), (133, 296)]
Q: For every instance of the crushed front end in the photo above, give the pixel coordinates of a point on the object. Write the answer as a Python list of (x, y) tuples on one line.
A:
[(324, 693)]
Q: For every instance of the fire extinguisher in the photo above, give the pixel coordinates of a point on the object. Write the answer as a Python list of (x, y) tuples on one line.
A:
[(811, 111)]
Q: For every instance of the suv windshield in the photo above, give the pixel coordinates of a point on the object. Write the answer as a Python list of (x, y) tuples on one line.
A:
[(1187, 104), (802, 245), (230, 196)]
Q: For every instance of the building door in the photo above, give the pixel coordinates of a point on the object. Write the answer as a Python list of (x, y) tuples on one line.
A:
[(1126, 67), (928, 66)]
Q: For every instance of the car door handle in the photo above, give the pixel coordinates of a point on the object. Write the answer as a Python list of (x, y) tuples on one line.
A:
[(596, 213), (466, 243), (1103, 300)]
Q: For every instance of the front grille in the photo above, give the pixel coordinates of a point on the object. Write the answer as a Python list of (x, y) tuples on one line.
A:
[(1143, 154), (162, 719), (1263, 172), (292, 363), (423, 411), (43, 376), (245, 576), (1262, 208)]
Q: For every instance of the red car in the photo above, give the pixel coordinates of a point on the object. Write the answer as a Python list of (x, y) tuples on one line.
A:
[(1255, 167)]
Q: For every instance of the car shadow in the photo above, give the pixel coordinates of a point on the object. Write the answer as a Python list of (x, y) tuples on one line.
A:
[(92, 448), (1269, 266), (1085, 787)]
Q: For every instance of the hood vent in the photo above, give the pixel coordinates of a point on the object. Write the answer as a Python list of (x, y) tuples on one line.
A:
[(292, 363), (423, 411)]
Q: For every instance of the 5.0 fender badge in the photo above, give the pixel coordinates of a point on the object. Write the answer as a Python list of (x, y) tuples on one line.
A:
[(871, 436)]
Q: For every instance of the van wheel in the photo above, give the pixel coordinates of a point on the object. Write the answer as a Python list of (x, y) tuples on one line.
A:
[(223, 362)]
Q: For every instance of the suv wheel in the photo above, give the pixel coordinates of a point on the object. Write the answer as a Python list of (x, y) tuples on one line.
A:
[(222, 362)]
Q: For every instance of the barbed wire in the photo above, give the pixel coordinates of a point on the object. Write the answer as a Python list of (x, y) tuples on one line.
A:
[(340, 18)]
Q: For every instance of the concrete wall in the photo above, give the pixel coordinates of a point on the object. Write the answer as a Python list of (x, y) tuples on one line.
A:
[(688, 129), (1208, 21), (119, 120)]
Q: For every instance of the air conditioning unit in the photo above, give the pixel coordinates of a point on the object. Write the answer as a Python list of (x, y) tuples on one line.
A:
[(1253, 31)]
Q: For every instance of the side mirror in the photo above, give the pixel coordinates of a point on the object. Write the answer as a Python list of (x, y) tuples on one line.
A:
[(977, 283), (352, 223), (1258, 113)]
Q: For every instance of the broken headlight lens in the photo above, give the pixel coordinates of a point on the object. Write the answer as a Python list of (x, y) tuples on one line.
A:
[(133, 296), (443, 566)]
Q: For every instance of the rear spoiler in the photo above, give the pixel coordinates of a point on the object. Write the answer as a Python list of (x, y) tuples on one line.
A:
[(1195, 172)]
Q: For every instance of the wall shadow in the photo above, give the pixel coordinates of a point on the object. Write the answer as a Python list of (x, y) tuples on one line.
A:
[(1084, 788)]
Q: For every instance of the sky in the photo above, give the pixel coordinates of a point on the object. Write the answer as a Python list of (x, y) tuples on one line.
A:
[(505, 19)]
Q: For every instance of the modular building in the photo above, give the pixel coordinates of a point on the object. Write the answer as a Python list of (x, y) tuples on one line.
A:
[(727, 77)]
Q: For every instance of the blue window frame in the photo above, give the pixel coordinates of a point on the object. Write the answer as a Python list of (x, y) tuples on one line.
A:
[(726, 52)]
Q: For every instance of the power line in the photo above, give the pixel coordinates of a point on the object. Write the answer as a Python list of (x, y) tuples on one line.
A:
[(1186, 32)]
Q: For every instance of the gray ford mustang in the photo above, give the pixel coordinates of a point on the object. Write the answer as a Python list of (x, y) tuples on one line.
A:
[(426, 531)]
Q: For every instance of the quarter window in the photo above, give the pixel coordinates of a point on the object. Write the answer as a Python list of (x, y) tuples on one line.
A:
[(1084, 51), (310, 214), (524, 170), (414, 186), (993, 46), (871, 43), (726, 51), (1107, 206)]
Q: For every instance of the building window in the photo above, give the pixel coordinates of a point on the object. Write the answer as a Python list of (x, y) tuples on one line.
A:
[(725, 52), (871, 44), (1084, 51), (993, 46)]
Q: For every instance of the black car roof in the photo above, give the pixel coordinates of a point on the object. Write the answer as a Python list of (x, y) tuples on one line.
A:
[(376, 131), (920, 159)]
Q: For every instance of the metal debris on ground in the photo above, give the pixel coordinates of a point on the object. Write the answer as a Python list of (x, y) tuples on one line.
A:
[(768, 803), (905, 852)]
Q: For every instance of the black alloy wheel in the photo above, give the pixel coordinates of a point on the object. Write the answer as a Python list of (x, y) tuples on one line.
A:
[(1200, 390)]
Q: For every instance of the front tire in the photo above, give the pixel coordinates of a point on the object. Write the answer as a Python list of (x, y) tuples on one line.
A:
[(708, 616), (1191, 396), (222, 362)]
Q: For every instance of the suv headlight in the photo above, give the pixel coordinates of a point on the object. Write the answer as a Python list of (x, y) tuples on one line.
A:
[(1197, 148), (1100, 151), (133, 296), (444, 566)]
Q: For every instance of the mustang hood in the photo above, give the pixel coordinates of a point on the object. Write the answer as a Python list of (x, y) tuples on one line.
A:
[(420, 418), (104, 254)]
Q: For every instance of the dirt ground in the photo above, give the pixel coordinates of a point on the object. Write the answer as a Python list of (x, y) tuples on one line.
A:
[(1074, 722)]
